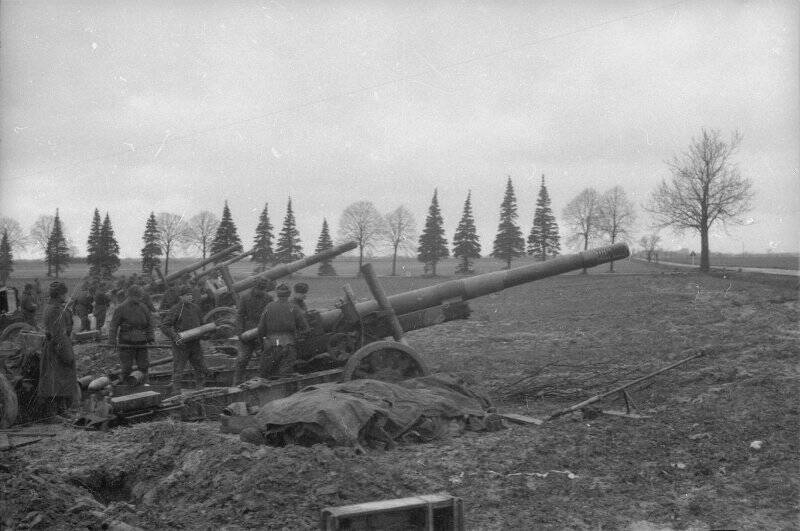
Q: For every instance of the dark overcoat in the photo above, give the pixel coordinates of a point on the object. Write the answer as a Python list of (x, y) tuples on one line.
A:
[(57, 372)]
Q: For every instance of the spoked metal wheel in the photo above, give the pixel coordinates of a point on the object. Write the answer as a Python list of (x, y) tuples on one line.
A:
[(11, 332), (387, 361)]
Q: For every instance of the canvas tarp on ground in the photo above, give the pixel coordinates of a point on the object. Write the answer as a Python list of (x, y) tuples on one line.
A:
[(370, 411)]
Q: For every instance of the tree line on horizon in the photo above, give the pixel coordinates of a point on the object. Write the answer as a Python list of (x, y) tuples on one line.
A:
[(705, 187)]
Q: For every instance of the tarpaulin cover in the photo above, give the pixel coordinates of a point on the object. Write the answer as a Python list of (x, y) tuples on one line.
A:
[(365, 411)]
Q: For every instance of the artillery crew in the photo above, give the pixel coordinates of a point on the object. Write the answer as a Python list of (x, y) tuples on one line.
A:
[(280, 325), (28, 305), (185, 315), (132, 325), (57, 373), (250, 311)]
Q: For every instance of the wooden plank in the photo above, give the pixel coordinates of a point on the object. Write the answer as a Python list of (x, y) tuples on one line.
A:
[(615, 413), (521, 419)]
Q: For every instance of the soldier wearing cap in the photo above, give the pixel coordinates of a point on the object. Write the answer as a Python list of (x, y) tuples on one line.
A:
[(132, 325), (83, 307), (28, 305), (185, 315), (57, 373), (250, 310), (280, 325), (101, 302), (299, 298)]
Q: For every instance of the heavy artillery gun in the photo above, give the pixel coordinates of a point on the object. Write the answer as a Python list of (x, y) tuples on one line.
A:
[(352, 336)]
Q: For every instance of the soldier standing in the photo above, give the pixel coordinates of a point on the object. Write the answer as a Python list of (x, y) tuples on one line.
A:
[(299, 299), (101, 302), (132, 325), (28, 305), (250, 311), (57, 373), (185, 315), (280, 325), (83, 307)]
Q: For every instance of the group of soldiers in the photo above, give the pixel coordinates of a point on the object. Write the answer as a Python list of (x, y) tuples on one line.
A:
[(281, 323)]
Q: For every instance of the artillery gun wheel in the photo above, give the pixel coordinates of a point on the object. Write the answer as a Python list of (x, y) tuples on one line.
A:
[(9, 407), (12, 332), (388, 361)]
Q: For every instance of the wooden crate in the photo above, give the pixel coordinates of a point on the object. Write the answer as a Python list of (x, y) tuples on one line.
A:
[(432, 512)]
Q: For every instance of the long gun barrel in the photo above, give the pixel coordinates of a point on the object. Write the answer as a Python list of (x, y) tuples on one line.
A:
[(478, 285), (197, 265), (283, 270), (274, 273)]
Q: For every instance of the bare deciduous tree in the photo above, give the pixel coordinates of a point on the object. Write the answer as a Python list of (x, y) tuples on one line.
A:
[(361, 222), (40, 232), (201, 230), (582, 216), (172, 230), (650, 243), (705, 187), (17, 239), (616, 216), (401, 231)]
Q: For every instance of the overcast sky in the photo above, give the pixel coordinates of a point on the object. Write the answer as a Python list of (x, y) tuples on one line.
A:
[(133, 107)]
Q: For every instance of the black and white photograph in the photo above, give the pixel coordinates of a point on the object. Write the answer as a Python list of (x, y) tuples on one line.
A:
[(373, 265)]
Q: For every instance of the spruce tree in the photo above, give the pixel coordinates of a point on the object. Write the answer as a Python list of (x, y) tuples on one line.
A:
[(263, 241), (544, 239), (226, 232), (323, 244), (151, 250), (109, 249), (432, 243), (6, 258), (94, 251), (57, 252), (466, 246), (287, 248), (509, 243)]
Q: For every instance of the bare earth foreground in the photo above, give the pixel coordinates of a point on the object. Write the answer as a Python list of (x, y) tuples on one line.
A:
[(536, 349)]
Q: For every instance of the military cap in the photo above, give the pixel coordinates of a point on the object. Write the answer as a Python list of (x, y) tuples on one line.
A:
[(57, 288), (301, 287), (282, 291), (135, 292)]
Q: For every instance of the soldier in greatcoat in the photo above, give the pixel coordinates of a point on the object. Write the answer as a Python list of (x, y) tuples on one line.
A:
[(250, 310), (101, 302), (299, 298), (57, 373)]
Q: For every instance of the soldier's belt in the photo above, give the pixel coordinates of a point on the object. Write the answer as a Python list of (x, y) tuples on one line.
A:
[(277, 340)]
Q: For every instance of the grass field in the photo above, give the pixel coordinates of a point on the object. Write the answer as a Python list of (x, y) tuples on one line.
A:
[(535, 348)]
